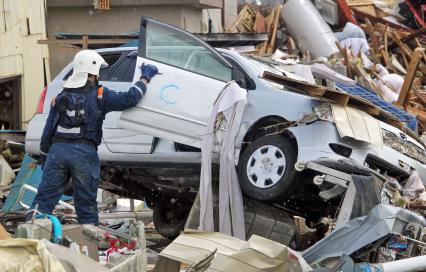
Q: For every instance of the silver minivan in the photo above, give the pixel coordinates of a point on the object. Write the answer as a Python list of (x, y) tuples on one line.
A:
[(154, 155)]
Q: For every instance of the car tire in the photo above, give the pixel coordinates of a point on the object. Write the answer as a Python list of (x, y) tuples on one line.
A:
[(169, 220), (266, 168)]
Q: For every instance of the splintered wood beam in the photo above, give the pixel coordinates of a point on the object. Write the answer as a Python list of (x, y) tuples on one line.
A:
[(385, 51), (373, 39), (300, 86), (271, 42), (420, 46), (409, 37), (408, 81), (345, 54), (397, 39), (407, 51)]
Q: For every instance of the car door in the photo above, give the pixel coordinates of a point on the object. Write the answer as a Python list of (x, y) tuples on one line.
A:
[(179, 100), (119, 78)]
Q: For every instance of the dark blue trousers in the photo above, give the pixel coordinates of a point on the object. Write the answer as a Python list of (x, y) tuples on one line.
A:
[(77, 161)]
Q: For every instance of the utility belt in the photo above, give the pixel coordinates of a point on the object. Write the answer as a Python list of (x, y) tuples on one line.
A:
[(57, 139)]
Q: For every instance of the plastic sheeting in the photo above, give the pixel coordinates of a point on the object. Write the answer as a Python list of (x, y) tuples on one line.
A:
[(414, 186), (23, 255), (353, 37), (359, 232), (389, 84)]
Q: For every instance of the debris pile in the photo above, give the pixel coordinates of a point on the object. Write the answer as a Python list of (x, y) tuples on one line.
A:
[(379, 44), (250, 19)]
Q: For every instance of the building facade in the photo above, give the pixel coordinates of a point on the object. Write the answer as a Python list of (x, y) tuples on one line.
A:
[(80, 16), (24, 65)]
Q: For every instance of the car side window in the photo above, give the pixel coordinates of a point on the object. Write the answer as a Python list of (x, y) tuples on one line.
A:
[(110, 58), (180, 50), (124, 70)]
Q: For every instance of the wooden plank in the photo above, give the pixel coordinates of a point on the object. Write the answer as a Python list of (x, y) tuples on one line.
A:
[(300, 86), (386, 52), (85, 42), (345, 55), (408, 81), (406, 49), (409, 37), (397, 39), (245, 13), (353, 3), (271, 42), (337, 97), (362, 15), (364, 105), (259, 23), (373, 39), (420, 46), (368, 9)]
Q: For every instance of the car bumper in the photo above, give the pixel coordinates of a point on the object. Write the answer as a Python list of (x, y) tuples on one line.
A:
[(314, 140)]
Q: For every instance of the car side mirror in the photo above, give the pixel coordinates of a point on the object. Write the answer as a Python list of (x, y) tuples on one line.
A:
[(239, 78)]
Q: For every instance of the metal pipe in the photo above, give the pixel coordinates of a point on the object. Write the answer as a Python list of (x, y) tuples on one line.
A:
[(406, 265), (146, 214)]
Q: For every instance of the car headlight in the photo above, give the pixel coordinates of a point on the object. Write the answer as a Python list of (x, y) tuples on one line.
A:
[(324, 112)]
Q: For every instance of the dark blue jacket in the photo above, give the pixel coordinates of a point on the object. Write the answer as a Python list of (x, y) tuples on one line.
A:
[(98, 108)]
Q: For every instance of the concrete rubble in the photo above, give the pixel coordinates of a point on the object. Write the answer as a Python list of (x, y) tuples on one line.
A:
[(380, 222)]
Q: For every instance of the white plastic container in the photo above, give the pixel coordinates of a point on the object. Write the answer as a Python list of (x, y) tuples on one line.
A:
[(306, 25)]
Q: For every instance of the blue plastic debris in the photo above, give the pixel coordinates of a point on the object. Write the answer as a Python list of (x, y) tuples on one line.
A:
[(28, 174), (403, 116), (57, 226)]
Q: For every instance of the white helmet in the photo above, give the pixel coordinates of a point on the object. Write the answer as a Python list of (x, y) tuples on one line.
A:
[(85, 62)]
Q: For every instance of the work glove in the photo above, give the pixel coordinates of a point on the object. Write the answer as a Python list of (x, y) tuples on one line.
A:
[(148, 71)]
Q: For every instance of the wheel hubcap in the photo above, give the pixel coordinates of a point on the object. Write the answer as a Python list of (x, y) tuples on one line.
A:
[(266, 166)]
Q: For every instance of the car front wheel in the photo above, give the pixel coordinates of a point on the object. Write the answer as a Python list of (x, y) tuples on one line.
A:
[(266, 168)]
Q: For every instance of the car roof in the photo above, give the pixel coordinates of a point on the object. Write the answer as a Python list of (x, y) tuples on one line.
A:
[(132, 48), (115, 49)]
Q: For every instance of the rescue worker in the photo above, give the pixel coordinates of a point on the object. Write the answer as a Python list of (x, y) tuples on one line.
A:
[(73, 131)]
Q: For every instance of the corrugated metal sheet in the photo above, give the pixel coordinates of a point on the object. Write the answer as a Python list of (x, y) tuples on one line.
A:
[(22, 24)]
